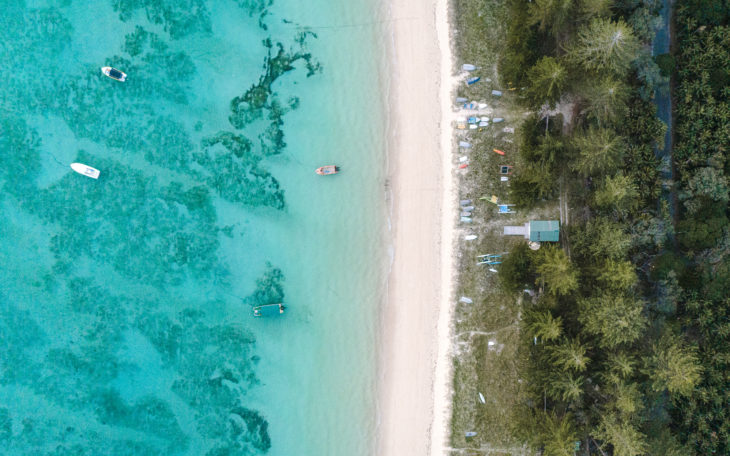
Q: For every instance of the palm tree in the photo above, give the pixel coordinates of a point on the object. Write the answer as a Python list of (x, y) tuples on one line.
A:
[(605, 99), (673, 366), (555, 268), (617, 275), (627, 399), (622, 435), (600, 151), (617, 192), (619, 366), (570, 354), (615, 320), (601, 237), (552, 15), (557, 435), (547, 81), (544, 326), (565, 387), (605, 45)]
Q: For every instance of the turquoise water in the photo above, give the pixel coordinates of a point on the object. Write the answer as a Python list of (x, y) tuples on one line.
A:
[(125, 302)]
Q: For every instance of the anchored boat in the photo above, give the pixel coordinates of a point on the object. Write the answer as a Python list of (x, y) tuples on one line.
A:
[(114, 74), (268, 310), (87, 171), (327, 170)]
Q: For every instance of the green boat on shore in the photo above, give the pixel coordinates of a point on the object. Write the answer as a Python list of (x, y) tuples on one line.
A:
[(268, 310)]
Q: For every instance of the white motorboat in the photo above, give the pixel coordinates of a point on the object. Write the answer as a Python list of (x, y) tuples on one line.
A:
[(87, 171), (114, 74)]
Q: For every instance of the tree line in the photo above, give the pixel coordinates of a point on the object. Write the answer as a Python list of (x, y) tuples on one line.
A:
[(619, 336)]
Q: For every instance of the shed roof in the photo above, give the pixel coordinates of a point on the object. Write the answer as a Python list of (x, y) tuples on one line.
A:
[(545, 230)]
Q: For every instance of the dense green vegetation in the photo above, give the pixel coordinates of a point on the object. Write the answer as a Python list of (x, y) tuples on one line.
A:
[(626, 337), (624, 334), (701, 160)]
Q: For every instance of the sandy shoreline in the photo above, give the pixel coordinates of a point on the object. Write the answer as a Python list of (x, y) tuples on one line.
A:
[(414, 382)]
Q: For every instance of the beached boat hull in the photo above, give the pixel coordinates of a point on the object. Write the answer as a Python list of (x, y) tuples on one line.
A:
[(87, 171)]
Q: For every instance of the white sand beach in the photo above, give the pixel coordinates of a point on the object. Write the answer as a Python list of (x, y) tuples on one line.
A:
[(414, 382)]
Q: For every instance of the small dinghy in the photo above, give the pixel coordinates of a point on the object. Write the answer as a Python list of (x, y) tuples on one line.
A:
[(327, 170), (465, 202), (481, 398), (465, 144), (466, 300), (470, 434), (470, 237), (268, 310), (468, 67), (87, 171), (471, 81), (497, 151), (114, 74)]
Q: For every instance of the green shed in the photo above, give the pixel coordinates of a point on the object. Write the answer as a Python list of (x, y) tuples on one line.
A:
[(545, 231)]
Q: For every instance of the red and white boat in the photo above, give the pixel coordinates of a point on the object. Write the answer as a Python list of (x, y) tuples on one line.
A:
[(327, 170)]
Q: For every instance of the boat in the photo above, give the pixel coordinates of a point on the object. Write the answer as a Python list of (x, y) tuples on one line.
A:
[(268, 310), (327, 170), (468, 67), (471, 81), (470, 434), (87, 171), (114, 74), (470, 237), (481, 398), (497, 151)]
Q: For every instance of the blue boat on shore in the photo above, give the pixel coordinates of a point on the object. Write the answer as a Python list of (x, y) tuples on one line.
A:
[(471, 81), (268, 310)]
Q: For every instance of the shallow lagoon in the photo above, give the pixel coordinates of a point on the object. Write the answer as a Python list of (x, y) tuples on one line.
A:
[(125, 322)]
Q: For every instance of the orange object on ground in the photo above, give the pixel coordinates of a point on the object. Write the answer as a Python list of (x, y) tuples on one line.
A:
[(463, 165), (497, 151)]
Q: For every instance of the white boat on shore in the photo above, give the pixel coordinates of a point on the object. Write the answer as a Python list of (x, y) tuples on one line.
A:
[(87, 171)]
